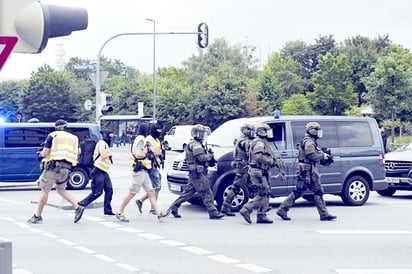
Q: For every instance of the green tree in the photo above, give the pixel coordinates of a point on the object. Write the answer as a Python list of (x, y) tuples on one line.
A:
[(278, 81), (390, 85), (50, 95), (333, 90), (10, 94), (297, 104)]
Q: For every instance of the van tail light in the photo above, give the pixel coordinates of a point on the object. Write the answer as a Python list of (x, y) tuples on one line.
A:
[(383, 160)]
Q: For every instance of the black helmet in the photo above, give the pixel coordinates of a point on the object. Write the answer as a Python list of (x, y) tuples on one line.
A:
[(60, 124)]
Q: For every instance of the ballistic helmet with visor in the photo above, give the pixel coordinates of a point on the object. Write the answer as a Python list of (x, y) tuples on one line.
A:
[(313, 129), (262, 130), (198, 132), (60, 124), (247, 129)]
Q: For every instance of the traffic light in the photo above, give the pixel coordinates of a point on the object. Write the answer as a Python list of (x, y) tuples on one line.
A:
[(33, 23), (106, 103), (203, 35)]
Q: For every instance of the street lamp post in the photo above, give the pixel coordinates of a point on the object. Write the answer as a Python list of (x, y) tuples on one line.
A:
[(154, 66)]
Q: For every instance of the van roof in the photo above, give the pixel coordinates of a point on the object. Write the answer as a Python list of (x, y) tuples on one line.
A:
[(47, 124)]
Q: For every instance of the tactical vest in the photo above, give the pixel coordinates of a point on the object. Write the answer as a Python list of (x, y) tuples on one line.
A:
[(100, 163), (265, 150), (138, 144), (65, 146), (302, 153), (241, 151)]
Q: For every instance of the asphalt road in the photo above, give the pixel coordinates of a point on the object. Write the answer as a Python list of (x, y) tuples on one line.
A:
[(374, 238)]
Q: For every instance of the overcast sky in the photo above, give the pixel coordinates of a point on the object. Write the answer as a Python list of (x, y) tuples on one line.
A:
[(265, 24)]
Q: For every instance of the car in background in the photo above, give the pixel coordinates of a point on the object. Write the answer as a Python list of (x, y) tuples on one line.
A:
[(19, 143), (177, 137), (355, 142), (398, 165)]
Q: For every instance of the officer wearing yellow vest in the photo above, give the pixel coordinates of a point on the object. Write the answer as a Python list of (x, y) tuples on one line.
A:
[(100, 177), (59, 154), (153, 139), (141, 162)]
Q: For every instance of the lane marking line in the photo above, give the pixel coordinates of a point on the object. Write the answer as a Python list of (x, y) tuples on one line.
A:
[(254, 268), (196, 250), (128, 267), (104, 258), (224, 259), (172, 243)]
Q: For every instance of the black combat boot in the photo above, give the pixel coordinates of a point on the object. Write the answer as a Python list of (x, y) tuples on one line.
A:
[(246, 215), (216, 215), (282, 214), (227, 212), (328, 218), (262, 219)]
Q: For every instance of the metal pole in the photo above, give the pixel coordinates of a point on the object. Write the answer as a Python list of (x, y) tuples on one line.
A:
[(154, 66), (98, 69)]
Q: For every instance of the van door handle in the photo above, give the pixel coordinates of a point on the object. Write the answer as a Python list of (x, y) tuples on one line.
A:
[(284, 153)]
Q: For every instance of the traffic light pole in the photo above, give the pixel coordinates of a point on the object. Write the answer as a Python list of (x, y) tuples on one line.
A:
[(98, 65)]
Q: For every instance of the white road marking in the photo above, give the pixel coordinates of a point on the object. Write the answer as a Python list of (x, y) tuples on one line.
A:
[(224, 259), (364, 231), (150, 236), (51, 235), (172, 243), (104, 258), (22, 225), (66, 242), (85, 249), (128, 267), (110, 224), (254, 268), (130, 230), (196, 250)]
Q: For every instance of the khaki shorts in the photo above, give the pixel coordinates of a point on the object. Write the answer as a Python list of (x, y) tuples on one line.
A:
[(140, 179), (49, 178)]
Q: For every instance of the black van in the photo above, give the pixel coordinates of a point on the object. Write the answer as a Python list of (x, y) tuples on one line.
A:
[(355, 142), (19, 143)]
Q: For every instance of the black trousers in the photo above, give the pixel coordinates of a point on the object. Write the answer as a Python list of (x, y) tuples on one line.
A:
[(100, 182)]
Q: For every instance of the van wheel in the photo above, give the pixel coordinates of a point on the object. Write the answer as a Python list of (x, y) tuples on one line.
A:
[(386, 192), (309, 197), (355, 191), (238, 201), (196, 201), (78, 179)]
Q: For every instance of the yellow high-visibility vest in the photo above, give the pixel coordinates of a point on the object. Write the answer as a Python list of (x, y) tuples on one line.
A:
[(138, 144), (100, 163), (65, 146)]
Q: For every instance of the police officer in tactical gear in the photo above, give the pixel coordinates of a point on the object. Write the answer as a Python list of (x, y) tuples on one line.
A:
[(262, 158), (102, 158), (310, 156), (198, 158), (240, 166), (59, 154)]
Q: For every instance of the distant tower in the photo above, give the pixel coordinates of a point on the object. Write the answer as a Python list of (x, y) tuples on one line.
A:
[(60, 53)]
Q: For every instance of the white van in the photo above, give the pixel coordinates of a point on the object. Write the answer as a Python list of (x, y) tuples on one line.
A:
[(178, 137)]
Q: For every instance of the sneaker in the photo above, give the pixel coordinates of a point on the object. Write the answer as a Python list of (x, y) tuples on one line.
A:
[(35, 220), (139, 205), (78, 213), (152, 212), (227, 212), (162, 216), (122, 218), (246, 215)]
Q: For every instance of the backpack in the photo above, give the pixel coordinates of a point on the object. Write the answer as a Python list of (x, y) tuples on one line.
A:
[(86, 156)]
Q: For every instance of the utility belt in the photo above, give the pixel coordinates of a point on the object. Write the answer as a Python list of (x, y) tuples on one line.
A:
[(240, 164), (55, 165), (138, 166)]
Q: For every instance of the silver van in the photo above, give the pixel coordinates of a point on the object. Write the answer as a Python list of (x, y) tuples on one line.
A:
[(355, 142), (19, 143)]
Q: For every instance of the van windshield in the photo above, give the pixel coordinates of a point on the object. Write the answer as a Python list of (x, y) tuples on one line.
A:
[(226, 134)]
